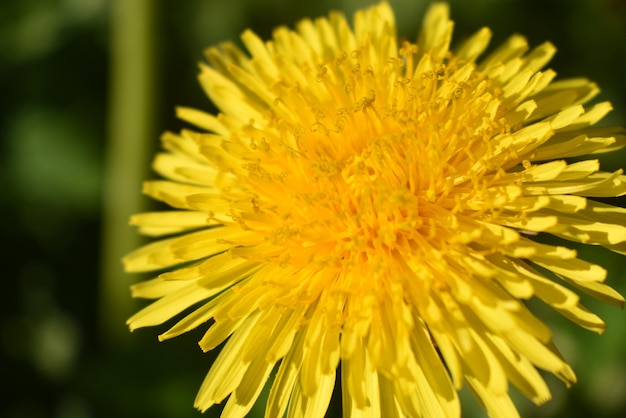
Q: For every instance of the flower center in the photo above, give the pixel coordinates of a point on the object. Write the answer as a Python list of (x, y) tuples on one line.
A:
[(375, 161)]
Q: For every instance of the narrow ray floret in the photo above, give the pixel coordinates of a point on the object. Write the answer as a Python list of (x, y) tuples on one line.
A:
[(373, 211)]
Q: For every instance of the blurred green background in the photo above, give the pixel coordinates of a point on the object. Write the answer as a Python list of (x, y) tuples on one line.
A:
[(87, 86)]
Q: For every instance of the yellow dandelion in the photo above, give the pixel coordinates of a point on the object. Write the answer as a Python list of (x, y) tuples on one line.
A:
[(373, 207)]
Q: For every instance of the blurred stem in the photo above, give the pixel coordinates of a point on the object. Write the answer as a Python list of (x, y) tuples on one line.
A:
[(128, 151)]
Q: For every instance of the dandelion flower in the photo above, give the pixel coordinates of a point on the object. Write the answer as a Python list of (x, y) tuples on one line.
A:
[(370, 211)]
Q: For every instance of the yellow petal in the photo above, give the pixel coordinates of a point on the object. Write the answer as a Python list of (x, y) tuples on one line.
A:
[(389, 406), (150, 257), (227, 370), (156, 288), (521, 372), (595, 185), (567, 204), (170, 305), (172, 193), (497, 405), (544, 172), (284, 333), (532, 222), (575, 269), (539, 354), (600, 291), (202, 120), (359, 384), (205, 243), (581, 90), (227, 96), (474, 45), (566, 117), (435, 372), (162, 223), (512, 48), (574, 147), (286, 380), (590, 117), (436, 30), (252, 382), (314, 405), (536, 59)]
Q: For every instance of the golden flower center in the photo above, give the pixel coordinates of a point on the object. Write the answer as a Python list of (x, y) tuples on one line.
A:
[(377, 168)]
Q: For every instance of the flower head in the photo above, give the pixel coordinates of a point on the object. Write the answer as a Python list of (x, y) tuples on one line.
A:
[(369, 206)]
